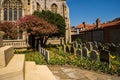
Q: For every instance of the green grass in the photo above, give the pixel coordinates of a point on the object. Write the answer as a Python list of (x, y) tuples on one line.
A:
[(32, 56)]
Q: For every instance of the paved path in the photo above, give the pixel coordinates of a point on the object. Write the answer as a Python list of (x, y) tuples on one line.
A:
[(74, 73)]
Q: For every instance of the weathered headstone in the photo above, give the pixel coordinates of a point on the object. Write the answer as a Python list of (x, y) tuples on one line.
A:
[(72, 49), (105, 56), (84, 45), (79, 52), (89, 45), (75, 44), (100, 48), (94, 55), (67, 49), (95, 47), (118, 51), (64, 48), (84, 52), (79, 46), (95, 43)]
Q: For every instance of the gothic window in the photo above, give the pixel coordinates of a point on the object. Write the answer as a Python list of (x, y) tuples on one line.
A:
[(5, 14), (10, 14), (38, 6), (54, 8), (28, 2), (12, 9), (20, 12), (15, 14)]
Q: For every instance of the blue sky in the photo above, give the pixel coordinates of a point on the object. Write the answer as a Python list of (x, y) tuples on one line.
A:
[(90, 10)]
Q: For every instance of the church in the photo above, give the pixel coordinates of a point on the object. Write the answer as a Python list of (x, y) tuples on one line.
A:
[(12, 10)]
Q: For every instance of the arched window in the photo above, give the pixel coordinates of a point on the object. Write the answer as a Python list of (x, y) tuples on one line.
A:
[(38, 6), (5, 14), (54, 8), (12, 10), (28, 2)]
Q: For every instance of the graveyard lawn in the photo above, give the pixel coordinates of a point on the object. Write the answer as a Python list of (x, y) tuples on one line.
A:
[(59, 57), (31, 55)]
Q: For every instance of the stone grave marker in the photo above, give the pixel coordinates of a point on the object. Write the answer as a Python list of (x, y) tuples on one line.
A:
[(100, 48), (85, 52), (105, 56), (84, 45), (72, 49), (89, 45), (75, 44), (64, 48), (79, 52), (95, 43), (94, 55), (67, 49), (95, 47), (79, 46), (118, 51)]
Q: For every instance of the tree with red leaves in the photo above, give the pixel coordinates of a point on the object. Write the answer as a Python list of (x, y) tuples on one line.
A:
[(10, 30), (38, 28)]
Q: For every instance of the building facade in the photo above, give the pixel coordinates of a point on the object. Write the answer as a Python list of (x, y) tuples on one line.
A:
[(12, 10)]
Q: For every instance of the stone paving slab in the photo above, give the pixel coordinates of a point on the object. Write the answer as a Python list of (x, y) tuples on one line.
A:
[(75, 73)]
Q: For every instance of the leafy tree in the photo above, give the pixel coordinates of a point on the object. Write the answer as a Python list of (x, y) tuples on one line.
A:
[(10, 29), (37, 28), (53, 18)]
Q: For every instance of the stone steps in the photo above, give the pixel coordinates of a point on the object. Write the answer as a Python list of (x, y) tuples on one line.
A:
[(37, 72), (31, 71), (15, 68), (45, 73)]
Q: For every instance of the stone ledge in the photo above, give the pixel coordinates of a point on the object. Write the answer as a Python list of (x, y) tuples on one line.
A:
[(6, 53), (45, 73), (15, 69)]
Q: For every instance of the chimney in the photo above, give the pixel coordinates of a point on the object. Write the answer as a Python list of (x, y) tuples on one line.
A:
[(98, 23), (84, 24)]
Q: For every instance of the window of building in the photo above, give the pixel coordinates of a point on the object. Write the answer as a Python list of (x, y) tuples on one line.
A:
[(5, 14), (28, 2), (38, 6), (54, 8), (10, 14), (12, 9)]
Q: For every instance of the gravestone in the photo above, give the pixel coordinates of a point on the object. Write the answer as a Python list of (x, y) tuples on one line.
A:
[(64, 48), (79, 46), (67, 49), (75, 44), (84, 45), (105, 56), (118, 51), (79, 52), (100, 48), (72, 49), (95, 47), (85, 52), (95, 43), (89, 45), (94, 55)]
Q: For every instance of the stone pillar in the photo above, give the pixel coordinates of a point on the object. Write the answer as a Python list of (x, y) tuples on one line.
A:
[(1, 36)]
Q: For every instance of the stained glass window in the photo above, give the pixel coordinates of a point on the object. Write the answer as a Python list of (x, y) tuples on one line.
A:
[(10, 14), (5, 14), (14, 8), (15, 14), (20, 12)]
